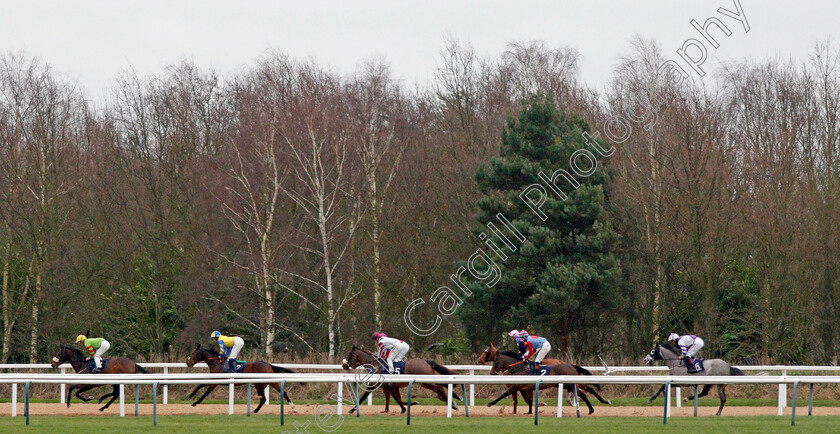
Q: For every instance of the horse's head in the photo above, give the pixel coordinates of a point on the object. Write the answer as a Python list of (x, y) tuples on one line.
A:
[(655, 354), (488, 355), (195, 357), (60, 357), (353, 359)]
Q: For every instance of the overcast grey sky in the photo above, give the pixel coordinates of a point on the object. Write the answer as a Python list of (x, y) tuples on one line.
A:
[(92, 41)]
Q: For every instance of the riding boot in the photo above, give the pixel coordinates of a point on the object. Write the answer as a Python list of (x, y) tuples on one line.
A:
[(232, 364), (533, 367), (688, 365)]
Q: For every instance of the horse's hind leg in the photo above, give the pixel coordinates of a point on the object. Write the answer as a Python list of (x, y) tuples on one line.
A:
[(276, 387), (114, 395), (722, 394), (197, 388), (596, 395), (441, 393), (705, 391), (261, 392), (583, 398)]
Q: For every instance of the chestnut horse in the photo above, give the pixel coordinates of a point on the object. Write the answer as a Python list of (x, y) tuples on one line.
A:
[(358, 357), (80, 363), (508, 362), (211, 358)]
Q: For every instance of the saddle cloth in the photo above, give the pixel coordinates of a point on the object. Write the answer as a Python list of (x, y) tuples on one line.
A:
[(239, 366), (399, 367), (92, 364), (543, 370), (697, 366)]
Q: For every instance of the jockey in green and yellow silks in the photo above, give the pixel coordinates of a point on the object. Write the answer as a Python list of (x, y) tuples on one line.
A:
[(96, 347)]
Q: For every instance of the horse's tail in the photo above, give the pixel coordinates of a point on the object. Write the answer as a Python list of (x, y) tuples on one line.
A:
[(439, 368), (735, 371), (281, 370), (583, 371), (139, 369)]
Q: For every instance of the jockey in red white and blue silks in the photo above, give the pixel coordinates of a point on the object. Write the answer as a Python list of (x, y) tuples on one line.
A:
[(530, 346), (690, 345), (390, 349)]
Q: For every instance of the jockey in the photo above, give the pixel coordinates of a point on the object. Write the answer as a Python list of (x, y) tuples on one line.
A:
[(532, 346), (390, 349), (689, 345), (229, 347), (96, 347)]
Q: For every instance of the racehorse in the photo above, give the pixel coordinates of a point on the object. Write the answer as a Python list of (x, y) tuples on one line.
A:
[(211, 357), (359, 357), (713, 367), (509, 362), (80, 363), (489, 356)]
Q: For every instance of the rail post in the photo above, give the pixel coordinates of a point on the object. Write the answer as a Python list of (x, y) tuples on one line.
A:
[(449, 400), (782, 394), (165, 387), (283, 401), (122, 400), (136, 400), (408, 416), (340, 399), (537, 403), (154, 404), (356, 398), (560, 400), (696, 388), (464, 399), (667, 402), (230, 398), (811, 400), (678, 396), (248, 401), (793, 406), (472, 389), (62, 388), (26, 401), (14, 399), (577, 403)]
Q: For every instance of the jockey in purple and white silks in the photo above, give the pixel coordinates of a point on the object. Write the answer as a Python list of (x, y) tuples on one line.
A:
[(690, 345), (390, 349)]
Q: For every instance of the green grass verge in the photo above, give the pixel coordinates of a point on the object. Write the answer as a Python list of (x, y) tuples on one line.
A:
[(270, 423)]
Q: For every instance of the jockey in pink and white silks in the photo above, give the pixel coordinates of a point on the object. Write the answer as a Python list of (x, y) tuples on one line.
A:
[(390, 349), (690, 345)]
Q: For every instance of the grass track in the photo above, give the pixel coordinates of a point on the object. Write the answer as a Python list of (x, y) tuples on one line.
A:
[(271, 424)]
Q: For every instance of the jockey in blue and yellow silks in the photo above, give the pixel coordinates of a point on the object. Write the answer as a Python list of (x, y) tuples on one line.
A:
[(229, 347)]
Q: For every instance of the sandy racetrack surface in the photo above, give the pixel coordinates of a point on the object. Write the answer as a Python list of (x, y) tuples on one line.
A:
[(89, 409)]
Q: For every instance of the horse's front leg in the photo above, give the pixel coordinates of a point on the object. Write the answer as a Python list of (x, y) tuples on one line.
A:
[(82, 389), (661, 389), (197, 388), (511, 389), (210, 388)]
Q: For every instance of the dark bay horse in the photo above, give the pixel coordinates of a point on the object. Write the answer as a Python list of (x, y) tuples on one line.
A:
[(211, 358), (489, 356), (116, 365), (358, 357), (715, 367), (508, 362)]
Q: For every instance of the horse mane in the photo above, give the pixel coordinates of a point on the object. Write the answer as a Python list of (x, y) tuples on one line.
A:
[(671, 347), (510, 353), (75, 351), (212, 351)]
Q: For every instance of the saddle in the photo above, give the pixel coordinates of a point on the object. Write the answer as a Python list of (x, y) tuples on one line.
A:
[(92, 365), (543, 370), (694, 365), (238, 365)]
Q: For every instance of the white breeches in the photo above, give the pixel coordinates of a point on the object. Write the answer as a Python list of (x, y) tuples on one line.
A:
[(698, 344), (397, 354), (542, 352), (238, 343), (97, 356)]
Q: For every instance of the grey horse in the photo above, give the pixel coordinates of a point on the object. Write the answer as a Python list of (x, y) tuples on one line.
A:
[(714, 367)]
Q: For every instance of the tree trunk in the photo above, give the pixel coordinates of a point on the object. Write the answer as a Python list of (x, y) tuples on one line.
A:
[(377, 306), (8, 322)]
